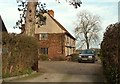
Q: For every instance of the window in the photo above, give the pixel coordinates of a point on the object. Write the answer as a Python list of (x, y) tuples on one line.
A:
[(43, 36), (44, 51)]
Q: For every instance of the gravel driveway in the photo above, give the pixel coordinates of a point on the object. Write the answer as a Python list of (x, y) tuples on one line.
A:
[(63, 71)]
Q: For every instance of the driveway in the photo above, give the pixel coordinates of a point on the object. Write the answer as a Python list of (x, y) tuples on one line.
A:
[(63, 71)]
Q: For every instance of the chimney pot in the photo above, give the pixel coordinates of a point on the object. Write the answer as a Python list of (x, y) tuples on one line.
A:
[(51, 12)]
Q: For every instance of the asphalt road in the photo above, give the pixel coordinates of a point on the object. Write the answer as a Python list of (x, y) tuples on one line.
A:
[(63, 71)]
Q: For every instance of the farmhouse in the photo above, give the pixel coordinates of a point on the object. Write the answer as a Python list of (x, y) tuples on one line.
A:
[(54, 40)]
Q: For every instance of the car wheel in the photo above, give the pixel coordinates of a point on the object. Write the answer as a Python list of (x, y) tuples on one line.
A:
[(93, 61)]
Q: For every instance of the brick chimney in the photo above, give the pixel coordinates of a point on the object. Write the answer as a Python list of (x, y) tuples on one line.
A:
[(51, 12)]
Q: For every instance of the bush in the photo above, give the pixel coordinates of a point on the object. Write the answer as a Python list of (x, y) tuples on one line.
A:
[(20, 54), (110, 53), (74, 57), (43, 57)]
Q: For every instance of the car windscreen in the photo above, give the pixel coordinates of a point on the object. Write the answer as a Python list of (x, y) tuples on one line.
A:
[(87, 52)]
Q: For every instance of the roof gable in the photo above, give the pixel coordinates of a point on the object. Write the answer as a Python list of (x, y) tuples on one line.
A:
[(2, 25), (62, 27), (49, 27), (52, 26)]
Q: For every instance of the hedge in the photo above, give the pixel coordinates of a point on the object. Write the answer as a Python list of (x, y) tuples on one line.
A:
[(110, 53), (19, 54)]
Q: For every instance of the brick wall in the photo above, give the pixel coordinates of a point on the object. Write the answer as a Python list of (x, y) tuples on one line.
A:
[(55, 45)]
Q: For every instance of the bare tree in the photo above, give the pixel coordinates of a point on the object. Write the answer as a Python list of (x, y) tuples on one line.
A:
[(30, 14), (87, 29)]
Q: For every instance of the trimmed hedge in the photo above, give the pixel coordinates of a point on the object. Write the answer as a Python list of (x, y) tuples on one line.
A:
[(19, 54), (110, 53)]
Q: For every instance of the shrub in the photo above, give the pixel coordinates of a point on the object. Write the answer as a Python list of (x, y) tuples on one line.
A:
[(74, 57), (110, 53), (43, 57), (20, 54)]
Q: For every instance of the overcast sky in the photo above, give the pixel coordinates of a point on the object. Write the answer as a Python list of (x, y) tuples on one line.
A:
[(64, 13)]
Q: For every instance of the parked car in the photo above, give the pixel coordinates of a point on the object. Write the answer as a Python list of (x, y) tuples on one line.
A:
[(86, 56)]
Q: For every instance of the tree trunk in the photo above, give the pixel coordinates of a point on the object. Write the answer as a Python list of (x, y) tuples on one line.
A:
[(30, 18), (30, 25), (87, 42)]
